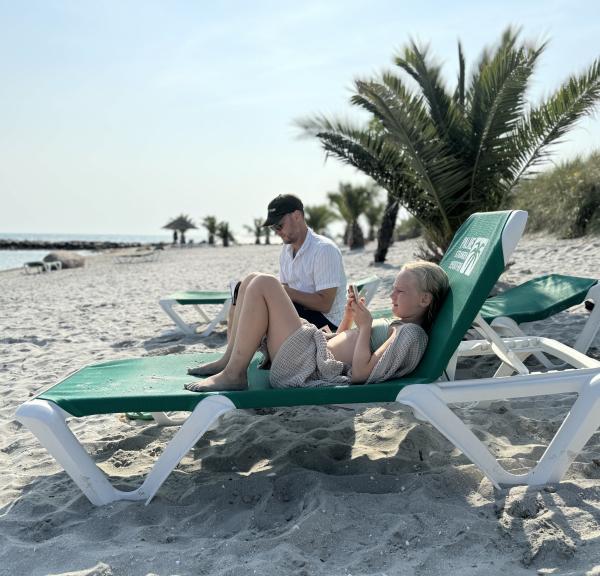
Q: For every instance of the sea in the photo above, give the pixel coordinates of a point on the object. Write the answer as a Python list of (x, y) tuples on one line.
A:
[(10, 259)]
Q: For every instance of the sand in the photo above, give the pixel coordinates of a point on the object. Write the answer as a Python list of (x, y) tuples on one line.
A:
[(317, 490)]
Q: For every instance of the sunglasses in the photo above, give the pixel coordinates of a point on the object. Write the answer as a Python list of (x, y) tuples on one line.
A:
[(277, 227)]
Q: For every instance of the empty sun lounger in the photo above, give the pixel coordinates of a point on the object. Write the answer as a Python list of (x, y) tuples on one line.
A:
[(146, 255), (41, 266), (541, 298), (474, 261)]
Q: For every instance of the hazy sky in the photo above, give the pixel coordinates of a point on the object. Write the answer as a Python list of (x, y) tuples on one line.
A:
[(117, 115)]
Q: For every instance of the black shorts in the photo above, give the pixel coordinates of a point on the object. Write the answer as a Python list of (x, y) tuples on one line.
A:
[(314, 317)]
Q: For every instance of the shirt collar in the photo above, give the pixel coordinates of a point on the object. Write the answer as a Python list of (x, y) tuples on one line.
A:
[(307, 241)]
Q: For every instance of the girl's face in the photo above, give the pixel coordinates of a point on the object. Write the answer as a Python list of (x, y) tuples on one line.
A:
[(408, 301)]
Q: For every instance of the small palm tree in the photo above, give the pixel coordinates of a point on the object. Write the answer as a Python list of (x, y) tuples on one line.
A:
[(210, 223), (181, 224), (256, 229), (444, 154), (351, 202), (318, 217), (373, 214), (224, 233)]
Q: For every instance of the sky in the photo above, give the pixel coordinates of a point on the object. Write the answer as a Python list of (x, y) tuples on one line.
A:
[(116, 116)]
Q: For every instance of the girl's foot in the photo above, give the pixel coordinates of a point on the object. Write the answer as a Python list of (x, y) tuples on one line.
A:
[(220, 381), (209, 368)]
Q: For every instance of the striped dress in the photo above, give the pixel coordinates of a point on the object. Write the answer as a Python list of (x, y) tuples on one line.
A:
[(304, 361)]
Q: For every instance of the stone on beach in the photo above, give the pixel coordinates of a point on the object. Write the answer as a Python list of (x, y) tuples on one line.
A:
[(66, 258)]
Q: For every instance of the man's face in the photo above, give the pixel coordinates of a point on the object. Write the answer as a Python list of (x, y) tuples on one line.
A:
[(287, 228)]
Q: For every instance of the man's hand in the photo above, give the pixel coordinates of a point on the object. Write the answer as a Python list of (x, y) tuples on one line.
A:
[(320, 301)]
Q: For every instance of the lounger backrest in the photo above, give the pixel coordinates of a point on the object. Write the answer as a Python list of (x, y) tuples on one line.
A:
[(474, 261)]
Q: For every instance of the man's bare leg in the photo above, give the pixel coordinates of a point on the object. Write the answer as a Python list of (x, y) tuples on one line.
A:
[(216, 366), (264, 299)]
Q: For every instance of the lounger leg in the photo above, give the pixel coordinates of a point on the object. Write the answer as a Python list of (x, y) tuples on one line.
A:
[(577, 428), (507, 327), (167, 306), (429, 407), (220, 317), (200, 420), (429, 402), (47, 422), (587, 335), (202, 313)]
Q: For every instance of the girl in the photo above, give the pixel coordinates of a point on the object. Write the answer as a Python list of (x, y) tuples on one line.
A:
[(304, 356)]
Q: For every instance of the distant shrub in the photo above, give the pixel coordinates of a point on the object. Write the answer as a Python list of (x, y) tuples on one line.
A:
[(565, 200), (409, 228)]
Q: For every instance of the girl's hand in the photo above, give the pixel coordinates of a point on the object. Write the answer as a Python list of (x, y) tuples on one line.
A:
[(362, 316), (349, 300)]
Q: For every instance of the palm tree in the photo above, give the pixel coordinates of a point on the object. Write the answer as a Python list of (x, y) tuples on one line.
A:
[(373, 214), (318, 217), (351, 202), (446, 154), (181, 224), (256, 229), (210, 223), (267, 233), (224, 233)]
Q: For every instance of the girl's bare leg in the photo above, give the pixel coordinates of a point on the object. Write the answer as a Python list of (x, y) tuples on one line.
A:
[(265, 300), (234, 312)]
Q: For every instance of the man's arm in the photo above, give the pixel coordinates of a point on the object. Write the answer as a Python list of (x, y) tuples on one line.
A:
[(320, 301)]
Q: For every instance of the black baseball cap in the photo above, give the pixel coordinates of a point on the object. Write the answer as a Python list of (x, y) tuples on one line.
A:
[(280, 206)]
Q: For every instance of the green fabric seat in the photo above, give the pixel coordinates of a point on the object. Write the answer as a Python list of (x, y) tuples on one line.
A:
[(200, 297), (155, 384), (538, 299)]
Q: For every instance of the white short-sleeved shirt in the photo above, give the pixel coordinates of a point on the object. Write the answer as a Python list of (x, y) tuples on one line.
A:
[(317, 265)]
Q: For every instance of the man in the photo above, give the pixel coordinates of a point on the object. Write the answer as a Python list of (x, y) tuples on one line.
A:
[(310, 265)]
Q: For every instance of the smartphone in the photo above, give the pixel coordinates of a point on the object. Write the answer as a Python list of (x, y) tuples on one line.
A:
[(355, 292), (234, 287)]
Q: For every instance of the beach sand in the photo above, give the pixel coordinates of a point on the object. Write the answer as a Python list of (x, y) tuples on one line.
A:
[(312, 490)]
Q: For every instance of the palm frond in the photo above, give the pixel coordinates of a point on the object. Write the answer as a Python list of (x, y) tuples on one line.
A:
[(548, 122), (503, 86)]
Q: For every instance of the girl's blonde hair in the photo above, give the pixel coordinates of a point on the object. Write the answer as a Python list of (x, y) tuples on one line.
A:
[(430, 278)]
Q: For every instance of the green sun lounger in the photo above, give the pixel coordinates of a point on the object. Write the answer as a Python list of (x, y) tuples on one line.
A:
[(541, 298), (474, 261), (201, 298)]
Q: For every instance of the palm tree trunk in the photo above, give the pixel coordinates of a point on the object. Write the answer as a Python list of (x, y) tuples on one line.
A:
[(356, 239), (386, 230)]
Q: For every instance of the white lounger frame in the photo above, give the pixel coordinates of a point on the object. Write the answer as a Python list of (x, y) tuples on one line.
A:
[(429, 402), (143, 256), (508, 327), (42, 266), (190, 329)]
